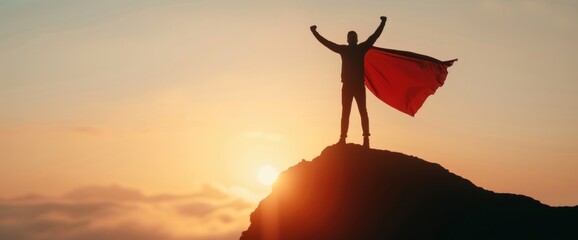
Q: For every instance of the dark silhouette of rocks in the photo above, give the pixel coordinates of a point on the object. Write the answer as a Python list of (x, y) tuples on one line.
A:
[(350, 192)]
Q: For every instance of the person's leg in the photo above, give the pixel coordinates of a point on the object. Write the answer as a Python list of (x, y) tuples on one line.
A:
[(346, 101), (361, 105)]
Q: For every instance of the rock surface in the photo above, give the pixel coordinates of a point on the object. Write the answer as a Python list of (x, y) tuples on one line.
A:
[(350, 192)]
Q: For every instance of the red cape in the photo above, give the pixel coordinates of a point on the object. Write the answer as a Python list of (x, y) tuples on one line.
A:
[(403, 79)]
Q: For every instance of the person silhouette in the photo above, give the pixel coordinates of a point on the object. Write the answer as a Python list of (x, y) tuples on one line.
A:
[(352, 76)]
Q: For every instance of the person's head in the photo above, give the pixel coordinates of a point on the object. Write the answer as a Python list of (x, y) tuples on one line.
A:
[(352, 38)]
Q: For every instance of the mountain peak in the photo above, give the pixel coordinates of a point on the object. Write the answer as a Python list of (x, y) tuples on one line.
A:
[(350, 192)]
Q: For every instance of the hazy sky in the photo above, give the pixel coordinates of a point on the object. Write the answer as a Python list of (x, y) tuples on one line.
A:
[(168, 96)]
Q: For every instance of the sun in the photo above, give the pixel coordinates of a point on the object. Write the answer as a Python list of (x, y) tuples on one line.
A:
[(267, 175)]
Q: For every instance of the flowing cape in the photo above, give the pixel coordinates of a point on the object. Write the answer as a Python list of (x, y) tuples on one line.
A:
[(403, 79)]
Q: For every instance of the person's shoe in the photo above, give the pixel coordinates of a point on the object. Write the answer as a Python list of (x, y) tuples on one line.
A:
[(341, 141), (366, 142)]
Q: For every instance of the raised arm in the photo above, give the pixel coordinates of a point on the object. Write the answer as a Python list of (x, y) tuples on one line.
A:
[(331, 45), (371, 40)]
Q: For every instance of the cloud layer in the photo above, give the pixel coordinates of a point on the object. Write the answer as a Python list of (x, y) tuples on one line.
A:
[(114, 212)]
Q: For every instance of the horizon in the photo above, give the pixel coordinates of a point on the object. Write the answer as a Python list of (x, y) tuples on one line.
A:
[(194, 99)]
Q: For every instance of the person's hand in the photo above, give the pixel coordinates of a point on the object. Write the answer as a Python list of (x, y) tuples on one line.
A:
[(383, 18), (313, 28)]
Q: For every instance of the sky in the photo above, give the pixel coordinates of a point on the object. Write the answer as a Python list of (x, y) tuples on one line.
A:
[(153, 118)]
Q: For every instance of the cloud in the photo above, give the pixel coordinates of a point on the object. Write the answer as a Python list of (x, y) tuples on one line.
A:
[(115, 212), (88, 130), (198, 209), (105, 193)]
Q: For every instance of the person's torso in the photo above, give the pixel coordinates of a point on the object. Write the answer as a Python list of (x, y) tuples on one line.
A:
[(352, 63)]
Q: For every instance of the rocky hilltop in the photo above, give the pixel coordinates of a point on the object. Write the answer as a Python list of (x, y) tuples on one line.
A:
[(350, 192)]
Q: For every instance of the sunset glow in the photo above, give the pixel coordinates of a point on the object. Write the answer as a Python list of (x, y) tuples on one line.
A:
[(181, 105), (267, 175)]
